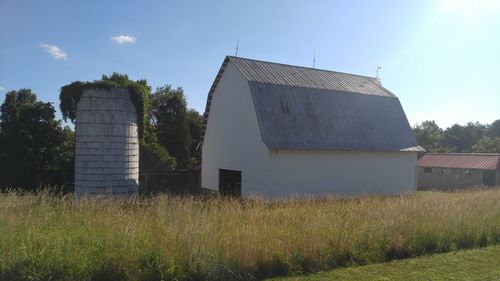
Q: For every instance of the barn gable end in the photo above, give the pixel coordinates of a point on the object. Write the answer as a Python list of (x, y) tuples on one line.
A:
[(232, 139)]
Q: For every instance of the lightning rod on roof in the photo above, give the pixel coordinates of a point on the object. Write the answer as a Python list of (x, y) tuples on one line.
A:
[(378, 68), (314, 60), (237, 45)]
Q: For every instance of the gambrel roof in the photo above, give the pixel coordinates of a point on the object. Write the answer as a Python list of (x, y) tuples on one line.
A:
[(300, 108)]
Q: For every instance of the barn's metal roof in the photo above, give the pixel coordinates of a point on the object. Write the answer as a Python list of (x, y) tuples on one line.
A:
[(311, 109), (305, 77), (292, 117), (481, 161)]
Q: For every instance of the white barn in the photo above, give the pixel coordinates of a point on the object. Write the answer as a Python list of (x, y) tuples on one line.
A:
[(277, 130)]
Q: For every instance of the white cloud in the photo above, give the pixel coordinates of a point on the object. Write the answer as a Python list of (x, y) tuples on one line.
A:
[(122, 39), (54, 51), (2, 89)]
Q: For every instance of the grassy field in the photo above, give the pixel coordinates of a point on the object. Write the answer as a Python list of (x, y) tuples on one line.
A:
[(45, 237), (482, 264)]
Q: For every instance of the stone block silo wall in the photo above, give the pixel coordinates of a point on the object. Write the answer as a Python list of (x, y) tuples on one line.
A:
[(106, 143)]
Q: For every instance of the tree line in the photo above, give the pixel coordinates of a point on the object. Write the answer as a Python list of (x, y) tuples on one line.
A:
[(38, 149), (472, 137)]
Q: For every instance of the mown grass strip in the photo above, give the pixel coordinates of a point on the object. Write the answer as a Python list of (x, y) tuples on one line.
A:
[(480, 264)]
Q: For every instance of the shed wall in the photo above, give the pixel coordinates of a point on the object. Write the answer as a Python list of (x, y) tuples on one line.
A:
[(340, 172), (455, 179), (232, 139), (106, 143)]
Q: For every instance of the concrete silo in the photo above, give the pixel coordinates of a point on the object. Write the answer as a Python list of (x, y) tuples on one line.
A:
[(106, 143)]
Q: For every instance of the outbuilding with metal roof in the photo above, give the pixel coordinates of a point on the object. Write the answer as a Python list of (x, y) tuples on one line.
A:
[(274, 130), (458, 170)]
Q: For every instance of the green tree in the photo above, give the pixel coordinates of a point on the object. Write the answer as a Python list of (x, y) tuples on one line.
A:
[(65, 155), (32, 141), (153, 156), (169, 116), (462, 138), (430, 136), (194, 120), (494, 129), (487, 145)]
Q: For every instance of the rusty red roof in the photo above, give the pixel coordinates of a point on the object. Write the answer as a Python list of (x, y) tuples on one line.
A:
[(481, 161)]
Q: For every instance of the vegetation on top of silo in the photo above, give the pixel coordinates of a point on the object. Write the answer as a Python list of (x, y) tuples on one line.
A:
[(138, 90), (154, 156)]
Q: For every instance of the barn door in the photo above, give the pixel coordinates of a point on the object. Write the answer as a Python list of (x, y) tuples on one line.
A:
[(489, 178), (230, 182)]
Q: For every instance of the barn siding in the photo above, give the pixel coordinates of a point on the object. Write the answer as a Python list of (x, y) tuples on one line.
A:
[(340, 172), (232, 139)]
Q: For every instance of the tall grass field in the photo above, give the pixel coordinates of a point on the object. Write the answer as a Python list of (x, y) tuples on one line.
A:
[(48, 237)]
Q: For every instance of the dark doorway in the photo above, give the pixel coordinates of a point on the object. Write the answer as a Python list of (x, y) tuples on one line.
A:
[(230, 182), (489, 178)]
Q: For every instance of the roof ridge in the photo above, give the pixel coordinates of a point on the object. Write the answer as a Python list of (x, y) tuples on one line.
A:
[(304, 67)]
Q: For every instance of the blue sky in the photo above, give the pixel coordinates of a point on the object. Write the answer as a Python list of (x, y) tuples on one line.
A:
[(441, 58)]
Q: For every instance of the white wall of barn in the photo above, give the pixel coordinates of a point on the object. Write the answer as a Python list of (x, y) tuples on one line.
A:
[(232, 139), (340, 172)]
